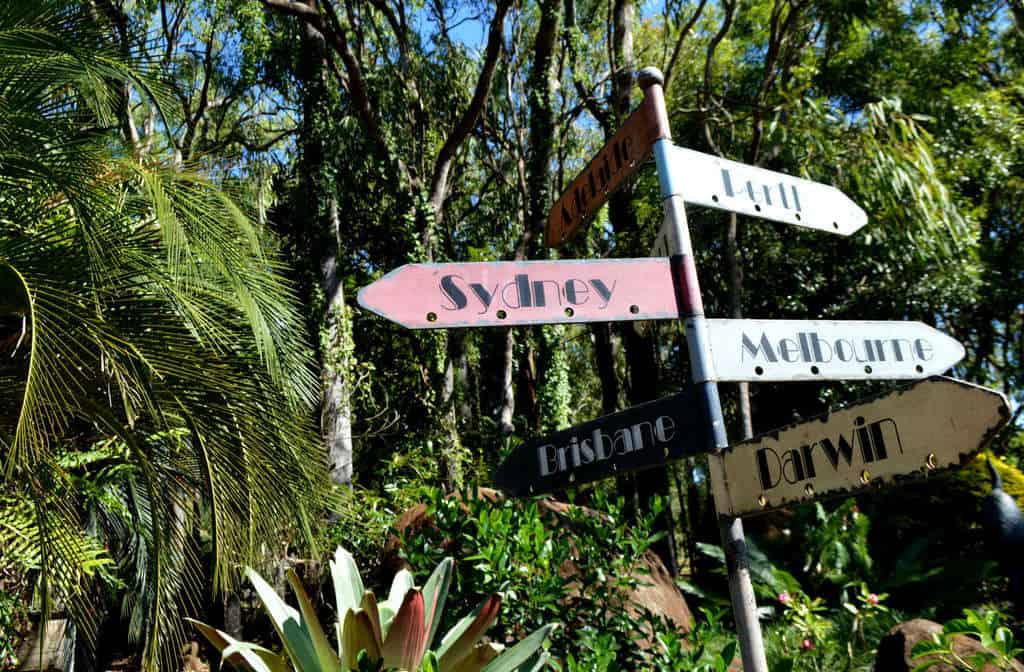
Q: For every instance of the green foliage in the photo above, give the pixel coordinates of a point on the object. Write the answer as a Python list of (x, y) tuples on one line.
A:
[(11, 615), (148, 310), (974, 480), (394, 634), (999, 647), (573, 564), (837, 544), (709, 647)]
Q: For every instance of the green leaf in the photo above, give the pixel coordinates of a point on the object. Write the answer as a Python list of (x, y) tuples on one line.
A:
[(326, 654), (481, 655), (358, 636), (522, 656), (712, 551), (348, 584), (369, 607), (729, 652), (459, 641), (240, 653), (288, 622), (958, 626), (435, 592)]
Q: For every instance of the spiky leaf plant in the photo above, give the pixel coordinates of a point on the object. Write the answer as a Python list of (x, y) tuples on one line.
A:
[(392, 635), (139, 305)]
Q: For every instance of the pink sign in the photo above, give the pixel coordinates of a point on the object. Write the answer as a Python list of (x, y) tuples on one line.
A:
[(500, 293)]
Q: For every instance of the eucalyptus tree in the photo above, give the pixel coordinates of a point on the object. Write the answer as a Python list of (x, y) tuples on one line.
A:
[(376, 54), (148, 338)]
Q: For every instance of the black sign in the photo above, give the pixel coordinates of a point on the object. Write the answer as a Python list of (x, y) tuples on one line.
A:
[(641, 437)]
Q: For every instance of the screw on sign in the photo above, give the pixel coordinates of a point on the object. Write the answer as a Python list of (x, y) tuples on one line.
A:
[(902, 435)]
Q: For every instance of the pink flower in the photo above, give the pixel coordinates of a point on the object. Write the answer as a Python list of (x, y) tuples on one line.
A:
[(784, 598), (807, 645), (872, 599)]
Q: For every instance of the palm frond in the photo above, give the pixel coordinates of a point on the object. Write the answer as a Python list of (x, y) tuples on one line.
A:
[(154, 316)]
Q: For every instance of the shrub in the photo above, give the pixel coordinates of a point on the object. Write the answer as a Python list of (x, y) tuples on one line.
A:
[(391, 635)]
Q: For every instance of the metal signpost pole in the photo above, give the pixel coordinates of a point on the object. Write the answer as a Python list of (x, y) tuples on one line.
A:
[(692, 310)]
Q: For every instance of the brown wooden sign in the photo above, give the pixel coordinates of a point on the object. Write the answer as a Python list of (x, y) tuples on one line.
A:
[(906, 434), (616, 161)]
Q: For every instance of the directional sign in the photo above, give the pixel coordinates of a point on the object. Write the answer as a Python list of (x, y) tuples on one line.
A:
[(487, 294), (616, 161), (906, 434), (727, 185), (641, 437), (784, 350)]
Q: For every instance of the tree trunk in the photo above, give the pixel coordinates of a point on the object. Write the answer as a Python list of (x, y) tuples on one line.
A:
[(604, 350), (734, 269), (233, 616), (336, 361), (321, 226), (527, 388), (553, 394), (507, 407)]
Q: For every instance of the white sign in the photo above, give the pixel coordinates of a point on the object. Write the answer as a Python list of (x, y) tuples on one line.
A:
[(727, 185), (786, 350), (906, 434)]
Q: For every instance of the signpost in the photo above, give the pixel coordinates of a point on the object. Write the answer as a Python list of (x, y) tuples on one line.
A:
[(906, 434), (930, 425), (727, 185), (648, 435), (487, 294), (617, 160), (788, 350), (741, 591)]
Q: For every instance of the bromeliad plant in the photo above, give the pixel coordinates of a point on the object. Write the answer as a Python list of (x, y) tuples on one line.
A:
[(392, 635)]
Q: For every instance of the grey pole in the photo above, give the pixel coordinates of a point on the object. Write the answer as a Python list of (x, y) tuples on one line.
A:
[(691, 307)]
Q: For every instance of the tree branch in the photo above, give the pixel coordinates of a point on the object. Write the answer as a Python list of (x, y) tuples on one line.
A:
[(464, 126), (709, 59), (683, 34)]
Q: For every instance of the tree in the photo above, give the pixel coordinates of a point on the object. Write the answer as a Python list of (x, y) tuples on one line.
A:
[(147, 333)]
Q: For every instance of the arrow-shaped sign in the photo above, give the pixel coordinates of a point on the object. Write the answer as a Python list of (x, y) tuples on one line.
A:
[(786, 350), (906, 434), (618, 159), (641, 437), (728, 185), (502, 293)]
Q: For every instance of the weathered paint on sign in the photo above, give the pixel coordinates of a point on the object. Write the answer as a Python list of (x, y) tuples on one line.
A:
[(785, 350), (618, 159), (714, 182), (903, 435), (641, 437), (502, 293)]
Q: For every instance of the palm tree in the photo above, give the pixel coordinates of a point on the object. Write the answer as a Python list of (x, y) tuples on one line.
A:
[(148, 344)]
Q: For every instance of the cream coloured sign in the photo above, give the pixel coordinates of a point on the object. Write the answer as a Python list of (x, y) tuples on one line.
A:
[(906, 434)]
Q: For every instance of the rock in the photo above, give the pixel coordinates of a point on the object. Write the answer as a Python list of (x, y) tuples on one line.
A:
[(657, 592), (894, 649)]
